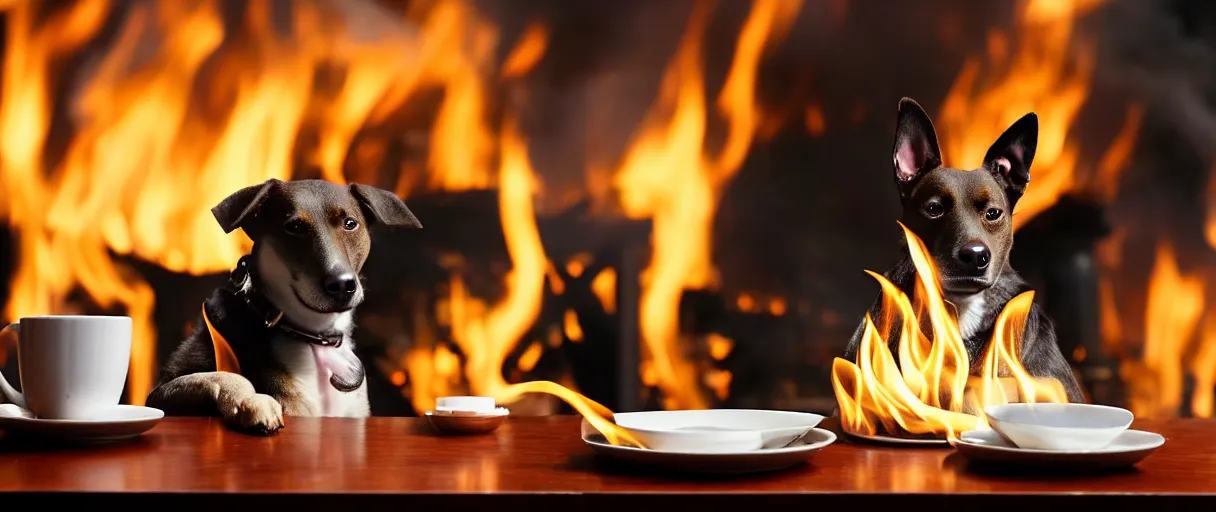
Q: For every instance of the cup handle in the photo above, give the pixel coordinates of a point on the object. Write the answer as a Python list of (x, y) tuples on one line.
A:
[(13, 395)]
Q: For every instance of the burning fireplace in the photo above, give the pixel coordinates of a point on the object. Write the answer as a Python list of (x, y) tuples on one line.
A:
[(659, 204)]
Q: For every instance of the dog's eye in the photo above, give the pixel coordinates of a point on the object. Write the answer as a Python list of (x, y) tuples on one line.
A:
[(350, 224), (296, 227), (934, 210), (992, 214)]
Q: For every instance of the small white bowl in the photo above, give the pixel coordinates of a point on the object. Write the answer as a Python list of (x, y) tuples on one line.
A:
[(715, 430), (477, 404), (1059, 427)]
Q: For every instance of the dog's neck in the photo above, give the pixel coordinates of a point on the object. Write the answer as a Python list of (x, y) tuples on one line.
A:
[(970, 312), (274, 283)]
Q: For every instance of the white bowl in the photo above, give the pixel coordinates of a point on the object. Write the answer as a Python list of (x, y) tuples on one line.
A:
[(477, 404), (715, 430), (1060, 427)]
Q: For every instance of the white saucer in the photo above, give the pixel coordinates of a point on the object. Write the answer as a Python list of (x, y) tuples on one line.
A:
[(772, 457), (123, 422), (987, 446)]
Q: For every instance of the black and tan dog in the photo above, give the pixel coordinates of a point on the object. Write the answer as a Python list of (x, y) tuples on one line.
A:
[(964, 219), (287, 310)]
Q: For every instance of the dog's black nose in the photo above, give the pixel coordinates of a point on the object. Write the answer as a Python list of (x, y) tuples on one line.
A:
[(975, 255), (341, 286)]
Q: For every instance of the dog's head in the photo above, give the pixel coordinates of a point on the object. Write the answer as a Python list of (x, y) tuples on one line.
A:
[(963, 217), (311, 240)]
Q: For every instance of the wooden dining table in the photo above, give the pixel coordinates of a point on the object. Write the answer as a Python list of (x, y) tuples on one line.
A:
[(541, 463)]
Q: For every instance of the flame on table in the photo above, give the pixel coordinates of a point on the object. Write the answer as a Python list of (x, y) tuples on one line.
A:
[(930, 391), (597, 415)]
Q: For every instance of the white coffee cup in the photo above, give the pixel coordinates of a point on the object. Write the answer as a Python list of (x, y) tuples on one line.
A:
[(71, 367)]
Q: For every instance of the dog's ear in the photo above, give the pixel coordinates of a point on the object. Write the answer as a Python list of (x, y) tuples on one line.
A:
[(1010, 156), (916, 151), (384, 206), (232, 212)]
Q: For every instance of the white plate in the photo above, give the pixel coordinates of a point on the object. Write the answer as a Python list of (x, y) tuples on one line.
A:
[(714, 430), (123, 422), (987, 446), (765, 459)]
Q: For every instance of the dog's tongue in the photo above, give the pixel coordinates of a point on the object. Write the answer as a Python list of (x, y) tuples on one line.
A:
[(343, 366)]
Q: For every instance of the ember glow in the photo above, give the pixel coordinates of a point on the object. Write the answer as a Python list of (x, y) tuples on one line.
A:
[(931, 391)]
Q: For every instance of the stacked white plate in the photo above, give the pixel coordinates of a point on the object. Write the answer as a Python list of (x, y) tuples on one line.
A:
[(715, 440)]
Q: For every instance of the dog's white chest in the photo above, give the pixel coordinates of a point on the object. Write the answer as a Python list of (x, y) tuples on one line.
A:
[(310, 377), (970, 314)]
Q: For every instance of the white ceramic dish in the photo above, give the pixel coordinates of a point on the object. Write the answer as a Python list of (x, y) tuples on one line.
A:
[(1060, 427), (123, 422), (477, 404), (771, 457), (988, 447), (715, 430)]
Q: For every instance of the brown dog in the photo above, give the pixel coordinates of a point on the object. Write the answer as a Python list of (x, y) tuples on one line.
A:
[(965, 220), (287, 311)]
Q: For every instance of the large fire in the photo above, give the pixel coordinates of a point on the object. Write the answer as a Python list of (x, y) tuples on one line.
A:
[(1044, 72), (122, 123), (666, 176), (931, 391), (181, 107)]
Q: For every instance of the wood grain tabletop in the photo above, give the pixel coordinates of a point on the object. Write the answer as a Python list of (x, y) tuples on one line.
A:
[(541, 461)]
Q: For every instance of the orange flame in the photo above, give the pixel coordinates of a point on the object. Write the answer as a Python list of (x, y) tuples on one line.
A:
[(597, 415), (225, 358), (455, 48), (486, 334), (1044, 75), (487, 339), (1210, 219), (1203, 368), (527, 52), (604, 288), (930, 391), (1175, 305), (56, 252), (666, 176), (574, 330)]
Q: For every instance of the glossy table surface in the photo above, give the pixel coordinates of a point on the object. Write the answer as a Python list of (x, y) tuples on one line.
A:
[(541, 459)]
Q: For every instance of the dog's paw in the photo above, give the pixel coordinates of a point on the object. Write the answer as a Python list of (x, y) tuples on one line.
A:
[(258, 414)]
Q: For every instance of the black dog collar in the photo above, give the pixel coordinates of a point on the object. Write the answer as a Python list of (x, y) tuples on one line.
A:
[(242, 283)]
